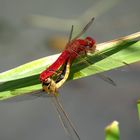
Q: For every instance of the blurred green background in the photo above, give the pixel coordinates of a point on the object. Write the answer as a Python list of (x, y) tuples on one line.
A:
[(25, 30)]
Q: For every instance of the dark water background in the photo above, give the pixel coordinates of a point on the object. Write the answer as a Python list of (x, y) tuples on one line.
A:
[(92, 104)]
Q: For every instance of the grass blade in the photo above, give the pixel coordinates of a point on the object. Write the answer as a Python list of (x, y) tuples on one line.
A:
[(138, 107), (25, 77)]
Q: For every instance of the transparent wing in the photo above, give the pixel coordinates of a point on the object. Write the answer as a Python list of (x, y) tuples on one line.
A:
[(101, 76), (70, 35), (66, 122), (81, 33), (84, 29), (17, 95)]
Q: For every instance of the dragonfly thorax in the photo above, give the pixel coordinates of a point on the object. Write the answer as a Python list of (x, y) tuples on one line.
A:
[(82, 46)]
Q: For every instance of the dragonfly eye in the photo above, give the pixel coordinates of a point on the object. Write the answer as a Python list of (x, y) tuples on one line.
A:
[(90, 41)]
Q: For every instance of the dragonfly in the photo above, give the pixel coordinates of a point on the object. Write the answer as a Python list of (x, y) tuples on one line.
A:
[(75, 48)]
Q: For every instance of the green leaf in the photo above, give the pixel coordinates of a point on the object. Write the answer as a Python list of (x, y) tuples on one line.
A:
[(25, 78), (138, 107), (112, 131)]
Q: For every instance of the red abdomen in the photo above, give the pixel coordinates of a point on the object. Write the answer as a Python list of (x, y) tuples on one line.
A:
[(57, 64)]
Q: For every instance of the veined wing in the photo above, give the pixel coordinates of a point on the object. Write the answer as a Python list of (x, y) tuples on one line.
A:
[(79, 34), (66, 122), (101, 76), (84, 29), (17, 92)]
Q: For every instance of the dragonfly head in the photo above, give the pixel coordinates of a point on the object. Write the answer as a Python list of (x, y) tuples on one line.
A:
[(49, 86), (90, 41)]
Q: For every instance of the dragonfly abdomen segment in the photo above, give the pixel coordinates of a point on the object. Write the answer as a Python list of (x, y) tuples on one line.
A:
[(55, 66)]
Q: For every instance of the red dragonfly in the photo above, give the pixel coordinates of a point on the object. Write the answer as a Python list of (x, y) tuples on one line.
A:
[(52, 77)]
